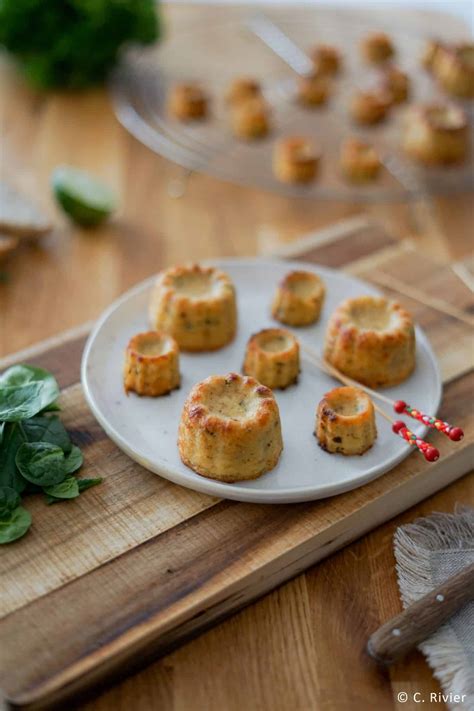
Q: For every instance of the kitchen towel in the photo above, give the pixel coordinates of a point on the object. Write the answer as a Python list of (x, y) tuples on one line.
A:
[(429, 551)]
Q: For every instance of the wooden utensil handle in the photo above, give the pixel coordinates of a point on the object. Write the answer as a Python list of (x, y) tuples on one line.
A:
[(402, 633)]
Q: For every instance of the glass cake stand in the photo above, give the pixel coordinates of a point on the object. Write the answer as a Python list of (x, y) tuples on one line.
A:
[(140, 85)]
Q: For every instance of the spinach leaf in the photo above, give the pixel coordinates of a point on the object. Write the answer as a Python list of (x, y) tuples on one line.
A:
[(54, 407), (9, 500), (47, 429), (84, 484), (15, 526), (41, 463), (25, 391), (12, 440), (67, 489), (74, 460)]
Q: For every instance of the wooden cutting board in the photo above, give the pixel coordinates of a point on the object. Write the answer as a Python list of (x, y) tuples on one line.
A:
[(101, 585)]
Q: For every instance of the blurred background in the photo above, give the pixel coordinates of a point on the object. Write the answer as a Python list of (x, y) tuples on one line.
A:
[(87, 90)]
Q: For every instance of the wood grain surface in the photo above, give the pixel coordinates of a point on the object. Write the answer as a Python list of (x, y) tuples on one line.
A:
[(301, 647), (143, 564)]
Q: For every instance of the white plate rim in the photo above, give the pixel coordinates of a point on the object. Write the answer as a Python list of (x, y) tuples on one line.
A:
[(227, 491)]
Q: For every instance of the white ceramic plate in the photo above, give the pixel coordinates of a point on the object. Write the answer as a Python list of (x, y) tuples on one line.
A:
[(146, 428)]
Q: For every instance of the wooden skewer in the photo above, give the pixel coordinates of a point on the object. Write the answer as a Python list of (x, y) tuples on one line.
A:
[(413, 293), (430, 453), (454, 433)]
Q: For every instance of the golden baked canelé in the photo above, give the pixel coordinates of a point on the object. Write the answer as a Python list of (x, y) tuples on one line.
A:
[(454, 69), (313, 89), (299, 298), (295, 160), (187, 102), (345, 421), (377, 47), (369, 107), (371, 340), (151, 364), (230, 429), (395, 83), (359, 161), (273, 358), (243, 89), (326, 59), (436, 134), (251, 119), (196, 305), (430, 54)]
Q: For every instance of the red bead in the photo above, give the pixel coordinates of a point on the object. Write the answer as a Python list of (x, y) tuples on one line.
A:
[(397, 426), (399, 406), (431, 454), (456, 434)]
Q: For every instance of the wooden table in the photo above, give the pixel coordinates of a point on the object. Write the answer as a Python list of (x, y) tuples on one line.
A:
[(301, 646)]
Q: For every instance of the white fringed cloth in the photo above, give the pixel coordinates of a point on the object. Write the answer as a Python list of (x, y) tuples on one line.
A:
[(429, 551)]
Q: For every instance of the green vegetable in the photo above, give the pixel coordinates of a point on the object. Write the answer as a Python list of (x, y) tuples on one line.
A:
[(15, 525), (47, 429), (41, 463), (84, 484), (12, 440), (73, 461), (36, 453), (67, 489), (9, 500), (73, 43), (25, 391), (83, 198)]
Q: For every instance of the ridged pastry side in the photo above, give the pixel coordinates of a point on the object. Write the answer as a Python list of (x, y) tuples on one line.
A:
[(295, 160), (187, 102), (230, 429), (243, 89), (430, 55), (151, 364), (436, 134), (359, 161), (369, 107), (299, 299), (371, 340), (196, 305), (454, 69), (251, 119), (273, 358), (313, 89), (345, 422), (396, 83)]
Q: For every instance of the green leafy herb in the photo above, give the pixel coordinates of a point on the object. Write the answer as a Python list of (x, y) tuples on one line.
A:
[(12, 440), (9, 500), (15, 525), (36, 452), (84, 484), (75, 43), (47, 429), (41, 463), (54, 407), (67, 489), (74, 460), (25, 391)]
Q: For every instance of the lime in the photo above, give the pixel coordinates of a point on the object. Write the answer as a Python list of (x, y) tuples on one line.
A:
[(86, 200)]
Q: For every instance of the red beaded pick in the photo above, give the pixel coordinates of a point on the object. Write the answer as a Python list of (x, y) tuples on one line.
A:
[(429, 452), (454, 433)]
